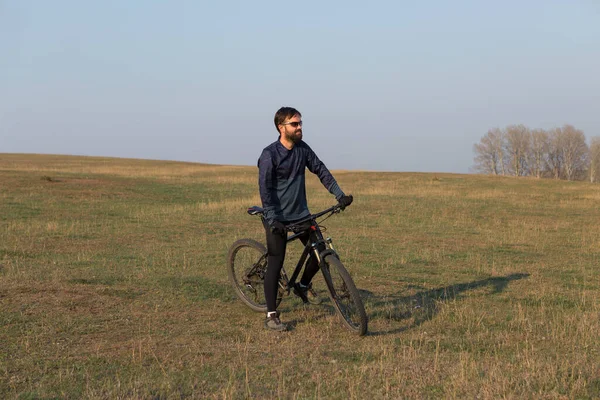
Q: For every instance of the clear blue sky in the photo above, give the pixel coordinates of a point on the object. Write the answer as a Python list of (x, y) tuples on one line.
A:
[(382, 85)]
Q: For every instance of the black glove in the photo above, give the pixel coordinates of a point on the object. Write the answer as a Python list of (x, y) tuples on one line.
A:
[(278, 228), (345, 201)]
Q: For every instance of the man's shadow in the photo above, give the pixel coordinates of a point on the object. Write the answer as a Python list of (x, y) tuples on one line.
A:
[(424, 305)]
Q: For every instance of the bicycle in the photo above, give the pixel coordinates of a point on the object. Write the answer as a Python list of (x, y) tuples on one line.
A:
[(247, 266)]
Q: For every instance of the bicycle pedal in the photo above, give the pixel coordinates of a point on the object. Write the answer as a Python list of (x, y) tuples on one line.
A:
[(300, 293)]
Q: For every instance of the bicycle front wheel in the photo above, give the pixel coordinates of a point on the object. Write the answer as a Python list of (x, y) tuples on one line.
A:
[(344, 295)]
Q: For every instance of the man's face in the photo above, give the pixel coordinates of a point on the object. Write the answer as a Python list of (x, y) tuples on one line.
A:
[(292, 128)]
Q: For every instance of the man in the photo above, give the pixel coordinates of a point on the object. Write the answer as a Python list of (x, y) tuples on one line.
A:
[(281, 180)]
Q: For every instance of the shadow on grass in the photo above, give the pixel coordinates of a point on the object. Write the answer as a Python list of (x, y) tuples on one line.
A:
[(292, 305), (323, 312), (421, 306), (424, 305)]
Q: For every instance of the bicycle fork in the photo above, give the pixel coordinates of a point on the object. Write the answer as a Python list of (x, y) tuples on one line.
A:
[(329, 250)]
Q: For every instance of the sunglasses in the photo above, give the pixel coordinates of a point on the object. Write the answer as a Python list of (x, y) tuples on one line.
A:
[(293, 124)]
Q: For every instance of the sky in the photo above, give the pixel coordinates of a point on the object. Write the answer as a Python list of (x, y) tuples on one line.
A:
[(381, 85)]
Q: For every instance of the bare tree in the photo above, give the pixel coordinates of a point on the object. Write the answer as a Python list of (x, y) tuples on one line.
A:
[(517, 149), (538, 151), (554, 154), (489, 155), (561, 153), (594, 159), (575, 151)]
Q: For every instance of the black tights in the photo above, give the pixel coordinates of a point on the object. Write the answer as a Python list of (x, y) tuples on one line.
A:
[(276, 245)]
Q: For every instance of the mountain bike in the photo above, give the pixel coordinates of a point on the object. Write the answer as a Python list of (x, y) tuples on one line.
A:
[(247, 267)]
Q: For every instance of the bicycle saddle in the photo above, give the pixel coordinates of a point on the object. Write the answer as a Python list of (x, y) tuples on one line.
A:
[(255, 210)]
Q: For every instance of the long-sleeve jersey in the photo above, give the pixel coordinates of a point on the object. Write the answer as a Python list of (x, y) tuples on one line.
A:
[(281, 180)]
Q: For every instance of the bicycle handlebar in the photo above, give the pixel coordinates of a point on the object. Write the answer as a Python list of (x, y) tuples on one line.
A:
[(333, 210)]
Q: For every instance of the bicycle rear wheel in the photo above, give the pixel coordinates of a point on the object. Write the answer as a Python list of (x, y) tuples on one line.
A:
[(344, 295), (247, 267)]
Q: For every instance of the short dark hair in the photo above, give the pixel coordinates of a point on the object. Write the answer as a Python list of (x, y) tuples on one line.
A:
[(284, 113)]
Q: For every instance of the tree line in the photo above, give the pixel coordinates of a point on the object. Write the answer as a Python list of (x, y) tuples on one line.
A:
[(559, 153)]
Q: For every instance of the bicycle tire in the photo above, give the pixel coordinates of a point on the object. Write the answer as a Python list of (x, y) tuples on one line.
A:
[(249, 256), (344, 295)]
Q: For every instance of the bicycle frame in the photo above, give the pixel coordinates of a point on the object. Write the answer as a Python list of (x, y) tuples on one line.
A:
[(316, 243)]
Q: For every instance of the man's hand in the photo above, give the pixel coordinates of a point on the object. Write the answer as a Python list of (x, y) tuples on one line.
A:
[(278, 228), (345, 201)]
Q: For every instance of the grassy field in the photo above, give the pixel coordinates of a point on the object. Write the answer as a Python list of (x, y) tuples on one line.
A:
[(113, 284)]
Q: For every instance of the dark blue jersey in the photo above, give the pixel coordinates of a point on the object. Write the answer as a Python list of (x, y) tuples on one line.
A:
[(281, 180)]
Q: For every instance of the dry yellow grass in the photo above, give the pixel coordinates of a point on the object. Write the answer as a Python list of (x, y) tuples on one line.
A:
[(113, 285)]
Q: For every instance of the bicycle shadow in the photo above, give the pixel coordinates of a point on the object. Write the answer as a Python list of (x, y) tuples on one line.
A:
[(319, 312), (424, 305)]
